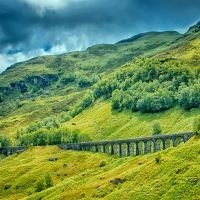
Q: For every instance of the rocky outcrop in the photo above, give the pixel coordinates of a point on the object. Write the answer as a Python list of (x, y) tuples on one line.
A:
[(195, 28), (42, 81), (6, 90)]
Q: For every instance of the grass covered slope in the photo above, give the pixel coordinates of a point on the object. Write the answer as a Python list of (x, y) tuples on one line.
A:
[(78, 175), (102, 123), (52, 85)]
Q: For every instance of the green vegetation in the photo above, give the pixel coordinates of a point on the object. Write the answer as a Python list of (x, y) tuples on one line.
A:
[(157, 130), (144, 85), (158, 158), (196, 126), (77, 174), (4, 141)]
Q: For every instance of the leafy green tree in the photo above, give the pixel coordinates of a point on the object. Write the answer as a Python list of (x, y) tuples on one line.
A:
[(18, 103), (26, 139), (84, 81), (71, 77), (5, 140), (48, 180), (117, 99), (88, 99), (75, 136), (84, 138), (196, 125), (39, 185), (157, 130), (189, 97), (57, 136), (1, 97)]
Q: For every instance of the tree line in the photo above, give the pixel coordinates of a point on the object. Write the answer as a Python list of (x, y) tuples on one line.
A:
[(149, 85), (49, 132)]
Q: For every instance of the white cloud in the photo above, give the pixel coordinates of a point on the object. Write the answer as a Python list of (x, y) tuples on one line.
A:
[(9, 59), (50, 4)]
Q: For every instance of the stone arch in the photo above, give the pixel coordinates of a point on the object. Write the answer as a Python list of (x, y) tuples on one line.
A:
[(158, 145), (83, 148), (92, 148), (179, 140), (168, 143), (108, 148), (124, 149), (116, 149), (100, 148), (131, 148), (141, 147), (149, 147)]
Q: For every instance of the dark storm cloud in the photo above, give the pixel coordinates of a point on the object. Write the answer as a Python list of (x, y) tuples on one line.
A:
[(28, 28), (20, 23)]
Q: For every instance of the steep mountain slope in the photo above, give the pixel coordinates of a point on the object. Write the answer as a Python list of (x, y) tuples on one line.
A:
[(53, 85)]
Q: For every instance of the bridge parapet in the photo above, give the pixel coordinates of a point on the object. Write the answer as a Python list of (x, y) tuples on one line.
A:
[(135, 146)]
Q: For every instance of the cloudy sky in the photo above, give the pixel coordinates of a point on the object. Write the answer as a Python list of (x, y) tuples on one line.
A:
[(30, 28)]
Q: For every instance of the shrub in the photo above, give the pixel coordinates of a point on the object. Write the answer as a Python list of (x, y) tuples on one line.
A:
[(4, 141), (48, 180), (158, 158), (196, 125), (18, 103), (102, 163), (157, 128), (7, 186), (39, 185)]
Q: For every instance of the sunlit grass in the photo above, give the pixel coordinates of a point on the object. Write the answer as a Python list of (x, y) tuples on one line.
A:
[(82, 178), (101, 123)]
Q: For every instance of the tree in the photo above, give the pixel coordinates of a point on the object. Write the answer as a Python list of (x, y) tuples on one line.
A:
[(74, 137), (5, 140), (157, 128), (88, 99), (18, 103), (117, 98), (196, 125), (48, 180), (84, 81), (84, 138), (39, 185)]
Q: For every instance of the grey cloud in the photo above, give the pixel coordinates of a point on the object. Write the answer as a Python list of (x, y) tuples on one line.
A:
[(20, 22)]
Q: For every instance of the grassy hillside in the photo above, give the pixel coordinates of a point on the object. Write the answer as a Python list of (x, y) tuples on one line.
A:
[(103, 93), (78, 175), (101, 123), (55, 84)]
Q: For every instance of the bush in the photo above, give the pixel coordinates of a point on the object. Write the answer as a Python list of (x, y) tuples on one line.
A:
[(7, 186), (157, 128), (48, 180), (158, 158), (4, 141), (196, 125), (39, 185), (18, 103), (102, 163)]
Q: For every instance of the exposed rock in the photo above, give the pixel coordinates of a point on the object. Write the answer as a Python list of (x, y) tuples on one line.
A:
[(6, 90), (118, 181), (177, 171), (53, 159)]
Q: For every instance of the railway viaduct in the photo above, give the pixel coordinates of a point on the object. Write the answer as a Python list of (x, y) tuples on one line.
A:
[(128, 147)]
